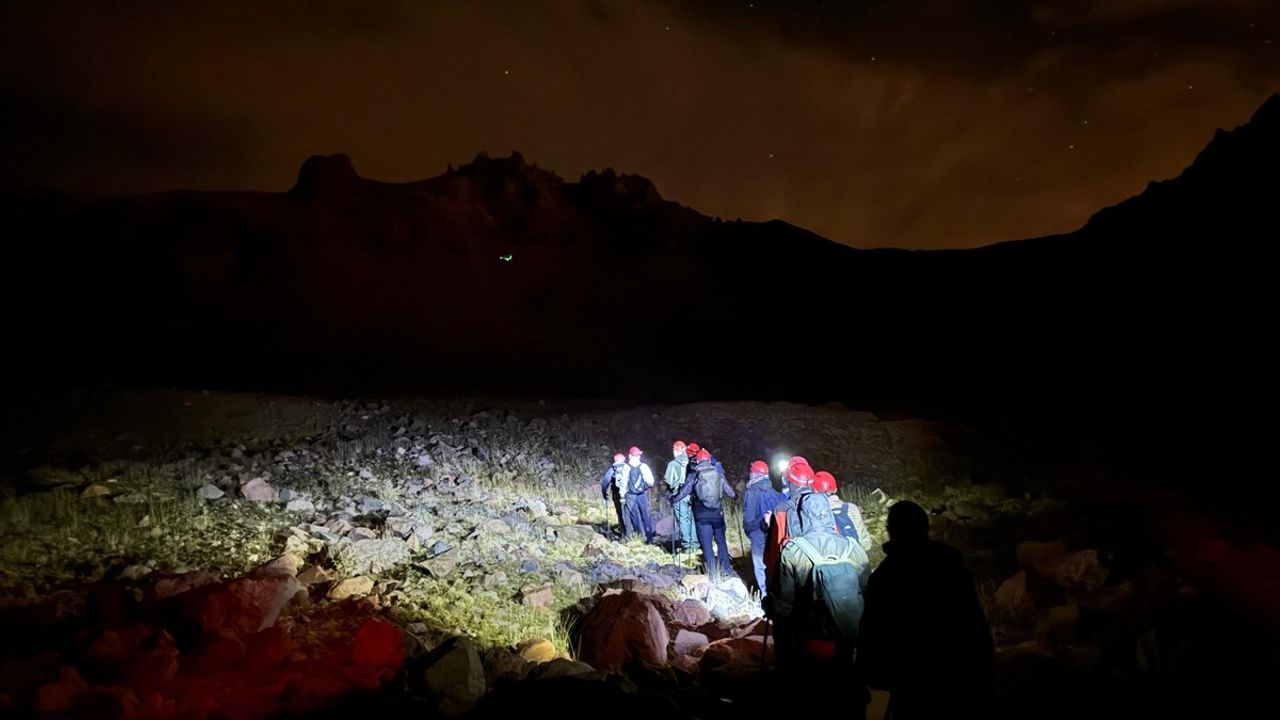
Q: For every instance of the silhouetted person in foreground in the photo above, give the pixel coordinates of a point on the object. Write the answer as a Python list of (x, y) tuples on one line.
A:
[(924, 636)]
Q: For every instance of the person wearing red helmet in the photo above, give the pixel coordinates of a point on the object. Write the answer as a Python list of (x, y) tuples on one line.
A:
[(634, 482), (817, 601), (707, 490), (848, 516), (757, 503), (675, 476), (609, 486), (799, 479)]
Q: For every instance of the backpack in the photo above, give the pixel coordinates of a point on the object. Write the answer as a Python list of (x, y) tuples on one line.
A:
[(637, 486), (847, 528), (768, 500), (836, 603), (708, 487)]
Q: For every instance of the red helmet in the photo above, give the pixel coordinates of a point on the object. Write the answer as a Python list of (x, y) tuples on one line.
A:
[(619, 457), (796, 460), (800, 475), (634, 451), (679, 446), (693, 449), (824, 482), (703, 456), (759, 469)]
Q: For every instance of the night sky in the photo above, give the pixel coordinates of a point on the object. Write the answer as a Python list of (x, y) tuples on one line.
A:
[(912, 123)]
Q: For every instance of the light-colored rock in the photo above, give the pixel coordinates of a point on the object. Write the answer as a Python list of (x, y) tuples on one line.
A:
[(351, 587), (259, 490), (537, 651)]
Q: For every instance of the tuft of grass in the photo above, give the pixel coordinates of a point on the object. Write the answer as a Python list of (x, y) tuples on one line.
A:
[(492, 617), (50, 539)]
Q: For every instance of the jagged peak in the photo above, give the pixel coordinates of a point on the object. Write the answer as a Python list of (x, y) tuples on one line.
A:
[(636, 187)]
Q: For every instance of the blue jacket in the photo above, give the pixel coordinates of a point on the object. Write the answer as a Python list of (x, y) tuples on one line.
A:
[(759, 498), (607, 479)]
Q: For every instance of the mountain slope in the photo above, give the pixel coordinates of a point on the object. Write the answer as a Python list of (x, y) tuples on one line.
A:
[(499, 276)]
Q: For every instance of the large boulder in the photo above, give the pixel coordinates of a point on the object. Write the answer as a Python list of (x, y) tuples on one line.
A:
[(256, 603), (1081, 569), (623, 628), (736, 656), (58, 697), (455, 676), (266, 648), (690, 613), (688, 642), (1012, 597), (243, 606), (1059, 625), (730, 599), (380, 645)]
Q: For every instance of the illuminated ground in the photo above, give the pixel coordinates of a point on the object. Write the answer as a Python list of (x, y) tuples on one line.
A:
[(484, 519)]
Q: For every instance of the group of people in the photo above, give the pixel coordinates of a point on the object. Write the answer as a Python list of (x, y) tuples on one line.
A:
[(696, 487), (914, 626)]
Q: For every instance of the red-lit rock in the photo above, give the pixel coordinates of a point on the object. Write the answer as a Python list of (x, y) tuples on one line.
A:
[(378, 644), (622, 628)]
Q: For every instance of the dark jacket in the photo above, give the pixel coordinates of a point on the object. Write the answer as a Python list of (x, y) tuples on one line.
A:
[(924, 636), (702, 513)]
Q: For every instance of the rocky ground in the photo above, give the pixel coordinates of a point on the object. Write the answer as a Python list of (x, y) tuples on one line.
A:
[(173, 554)]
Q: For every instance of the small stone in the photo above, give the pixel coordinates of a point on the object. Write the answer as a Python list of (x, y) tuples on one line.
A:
[(351, 587), (210, 492), (300, 505), (537, 651), (259, 490), (314, 575), (537, 596)]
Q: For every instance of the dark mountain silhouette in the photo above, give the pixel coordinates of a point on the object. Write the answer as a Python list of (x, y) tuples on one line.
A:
[(499, 276)]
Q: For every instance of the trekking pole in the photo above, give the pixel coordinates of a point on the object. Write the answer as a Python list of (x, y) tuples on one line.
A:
[(675, 524), (742, 512), (764, 649)]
